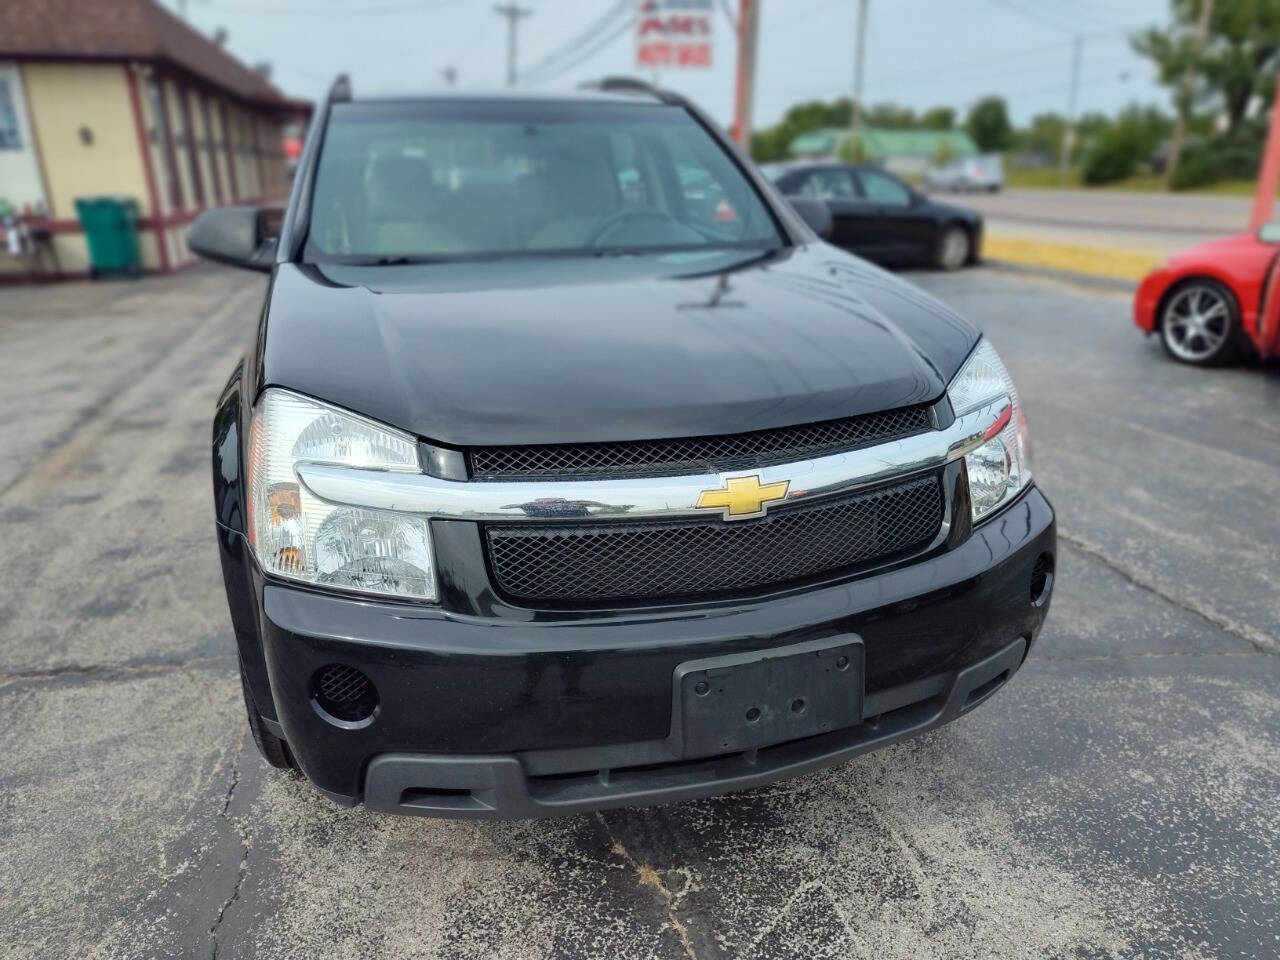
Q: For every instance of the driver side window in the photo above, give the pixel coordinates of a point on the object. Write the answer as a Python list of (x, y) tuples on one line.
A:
[(882, 188), (829, 183)]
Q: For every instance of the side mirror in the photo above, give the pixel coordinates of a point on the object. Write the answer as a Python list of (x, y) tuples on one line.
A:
[(1269, 232), (238, 236), (815, 213)]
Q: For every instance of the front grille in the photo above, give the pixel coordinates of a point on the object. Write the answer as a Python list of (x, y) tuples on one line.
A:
[(589, 563), (694, 455)]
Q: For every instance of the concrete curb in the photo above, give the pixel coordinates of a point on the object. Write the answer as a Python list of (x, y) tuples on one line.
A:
[(1071, 259), (1112, 284)]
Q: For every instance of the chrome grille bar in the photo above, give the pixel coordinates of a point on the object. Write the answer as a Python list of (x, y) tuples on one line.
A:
[(644, 497)]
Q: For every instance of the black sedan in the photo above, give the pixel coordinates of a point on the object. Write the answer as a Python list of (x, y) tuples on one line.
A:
[(880, 217)]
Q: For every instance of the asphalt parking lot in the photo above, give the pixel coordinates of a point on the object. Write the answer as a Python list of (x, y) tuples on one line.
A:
[(1119, 798)]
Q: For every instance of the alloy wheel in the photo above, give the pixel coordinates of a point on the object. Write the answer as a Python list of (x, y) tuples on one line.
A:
[(1196, 323), (955, 249)]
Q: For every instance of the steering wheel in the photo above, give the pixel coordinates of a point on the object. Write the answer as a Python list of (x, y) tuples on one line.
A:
[(626, 216)]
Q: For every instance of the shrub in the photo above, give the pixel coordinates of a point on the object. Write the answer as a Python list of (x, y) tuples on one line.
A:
[(1203, 164), (1115, 155)]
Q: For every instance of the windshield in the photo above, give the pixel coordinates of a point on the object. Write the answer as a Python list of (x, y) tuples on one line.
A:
[(421, 180)]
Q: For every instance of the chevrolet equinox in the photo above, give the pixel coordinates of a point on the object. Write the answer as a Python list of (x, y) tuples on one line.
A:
[(569, 468)]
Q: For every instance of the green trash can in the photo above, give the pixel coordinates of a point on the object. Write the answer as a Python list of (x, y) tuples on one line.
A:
[(111, 229)]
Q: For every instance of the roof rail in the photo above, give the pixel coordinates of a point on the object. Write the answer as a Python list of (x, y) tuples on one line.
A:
[(340, 92), (633, 85)]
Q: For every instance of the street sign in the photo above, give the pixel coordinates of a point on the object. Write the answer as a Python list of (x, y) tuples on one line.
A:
[(674, 33)]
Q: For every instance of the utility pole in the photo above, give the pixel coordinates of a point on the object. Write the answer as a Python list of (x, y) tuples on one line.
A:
[(1184, 105), (745, 84), (1069, 128), (514, 14), (859, 54)]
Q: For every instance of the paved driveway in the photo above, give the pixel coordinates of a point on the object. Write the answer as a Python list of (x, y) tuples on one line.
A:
[(1158, 223), (1119, 798)]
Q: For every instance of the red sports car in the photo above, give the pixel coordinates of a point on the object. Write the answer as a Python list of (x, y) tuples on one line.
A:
[(1217, 300)]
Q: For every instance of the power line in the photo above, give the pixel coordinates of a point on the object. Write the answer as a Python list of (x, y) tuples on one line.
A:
[(728, 15), (988, 62), (1092, 10), (1036, 14), (574, 46), (585, 54)]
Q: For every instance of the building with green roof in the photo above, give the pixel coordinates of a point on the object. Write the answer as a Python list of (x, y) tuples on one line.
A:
[(902, 151)]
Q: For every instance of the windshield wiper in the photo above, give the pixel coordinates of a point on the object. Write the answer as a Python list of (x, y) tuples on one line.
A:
[(401, 260)]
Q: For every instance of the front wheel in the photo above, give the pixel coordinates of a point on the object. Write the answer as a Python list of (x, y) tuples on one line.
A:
[(1200, 323), (274, 750), (952, 251)]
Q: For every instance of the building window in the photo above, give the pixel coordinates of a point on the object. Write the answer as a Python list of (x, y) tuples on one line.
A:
[(163, 139), (10, 139)]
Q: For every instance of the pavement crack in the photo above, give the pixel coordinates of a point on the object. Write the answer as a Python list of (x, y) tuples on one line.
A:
[(1260, 641), (238, 826), (649, 877), (105, 670)]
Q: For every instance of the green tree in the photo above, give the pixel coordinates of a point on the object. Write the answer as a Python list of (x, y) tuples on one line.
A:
[(1237, 61), (1120, 146), (772, 143), (988, 124), (852, 151), (1043, 136), (938, 118), (890, 116)]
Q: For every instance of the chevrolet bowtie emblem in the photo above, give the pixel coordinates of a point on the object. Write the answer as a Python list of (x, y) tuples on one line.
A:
[(743, 497)]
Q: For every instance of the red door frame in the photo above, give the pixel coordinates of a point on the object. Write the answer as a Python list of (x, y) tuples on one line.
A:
[(144, 146), (1264, 204)]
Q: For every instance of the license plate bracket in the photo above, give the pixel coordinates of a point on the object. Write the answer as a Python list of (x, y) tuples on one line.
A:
[(749, 700)]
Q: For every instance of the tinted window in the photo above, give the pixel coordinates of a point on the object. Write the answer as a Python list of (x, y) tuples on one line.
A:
[(466, 178), (829, 183), (9, 136), (882, 188)]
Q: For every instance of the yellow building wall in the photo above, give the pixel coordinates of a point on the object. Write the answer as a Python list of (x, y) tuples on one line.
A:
[(63, 98)]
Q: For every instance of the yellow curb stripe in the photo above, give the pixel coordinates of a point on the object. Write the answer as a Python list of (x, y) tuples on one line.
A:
[(1070, 258)]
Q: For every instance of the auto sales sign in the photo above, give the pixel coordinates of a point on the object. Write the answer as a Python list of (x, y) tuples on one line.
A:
[(673, 33)]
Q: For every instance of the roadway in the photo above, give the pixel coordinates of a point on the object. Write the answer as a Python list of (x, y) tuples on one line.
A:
[(1147, 222), (1118, 798)]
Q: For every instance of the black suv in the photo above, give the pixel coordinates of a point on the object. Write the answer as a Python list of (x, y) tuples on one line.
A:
[(568, 468)]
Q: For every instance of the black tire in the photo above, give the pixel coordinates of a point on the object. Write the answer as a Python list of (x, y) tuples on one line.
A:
[(1188, 342), (273, 749), (953, 248)]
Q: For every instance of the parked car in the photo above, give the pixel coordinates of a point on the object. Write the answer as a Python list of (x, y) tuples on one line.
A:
[(569, 501), (968, 175), (1216, 301), (882, 218)]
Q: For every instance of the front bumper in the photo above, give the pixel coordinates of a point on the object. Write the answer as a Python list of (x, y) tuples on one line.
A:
[(1146, 299), (537, 714)]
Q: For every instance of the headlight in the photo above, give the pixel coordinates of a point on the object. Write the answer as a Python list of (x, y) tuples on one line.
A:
[(296, 535), (1000, 468)]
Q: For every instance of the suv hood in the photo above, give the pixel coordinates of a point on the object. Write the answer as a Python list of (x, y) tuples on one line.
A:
[(625, 348)]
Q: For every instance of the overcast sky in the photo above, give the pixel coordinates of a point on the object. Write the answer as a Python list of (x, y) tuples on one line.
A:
[(920, 53)]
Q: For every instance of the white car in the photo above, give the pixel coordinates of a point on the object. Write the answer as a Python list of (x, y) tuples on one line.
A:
[(971, 174)]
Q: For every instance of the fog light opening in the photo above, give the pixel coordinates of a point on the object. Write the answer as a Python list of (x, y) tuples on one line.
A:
[(344, 696), (1041, 580)]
